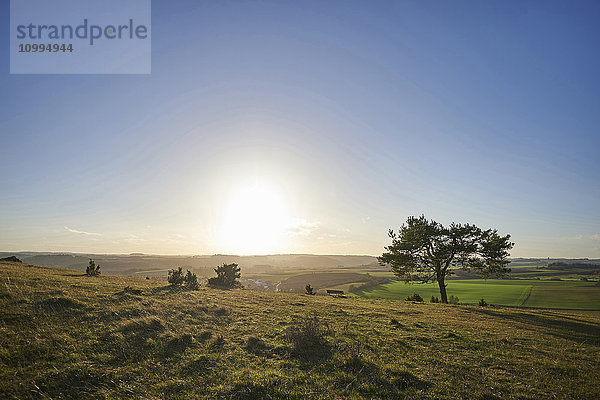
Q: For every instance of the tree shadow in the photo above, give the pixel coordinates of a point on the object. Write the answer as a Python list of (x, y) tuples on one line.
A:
[(559, 326)]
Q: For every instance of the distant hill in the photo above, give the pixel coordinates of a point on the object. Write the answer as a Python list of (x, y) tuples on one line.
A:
[(58, 260), (201, 264), (590, 268)]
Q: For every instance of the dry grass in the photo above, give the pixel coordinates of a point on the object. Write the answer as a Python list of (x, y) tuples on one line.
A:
[(66, 335)]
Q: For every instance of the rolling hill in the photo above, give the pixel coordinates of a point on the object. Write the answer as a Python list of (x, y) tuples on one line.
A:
[(64, 335)]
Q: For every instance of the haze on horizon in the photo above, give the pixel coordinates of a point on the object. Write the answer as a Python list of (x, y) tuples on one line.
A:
[(304, 127)]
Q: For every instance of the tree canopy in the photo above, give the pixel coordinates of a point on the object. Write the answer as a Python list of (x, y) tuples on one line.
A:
[(426, 251), (227, 276)]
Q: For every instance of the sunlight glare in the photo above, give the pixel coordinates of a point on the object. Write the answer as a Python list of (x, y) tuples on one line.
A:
[(255, 221)]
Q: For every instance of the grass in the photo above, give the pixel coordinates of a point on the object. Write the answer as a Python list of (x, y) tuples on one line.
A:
[(321, 280), (295, 279), (518, 292), (566, 294), (64, 335)]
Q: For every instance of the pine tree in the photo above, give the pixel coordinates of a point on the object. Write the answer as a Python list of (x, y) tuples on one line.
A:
[(92, 269), (227, 276)]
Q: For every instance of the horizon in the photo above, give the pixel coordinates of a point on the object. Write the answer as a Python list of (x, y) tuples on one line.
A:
[(258, 255), (269, 128)]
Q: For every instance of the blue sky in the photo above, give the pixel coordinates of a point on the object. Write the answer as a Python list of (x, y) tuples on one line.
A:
[(280, 126)]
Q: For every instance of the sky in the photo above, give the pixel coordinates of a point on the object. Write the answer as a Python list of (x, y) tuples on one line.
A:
[(313, 127)]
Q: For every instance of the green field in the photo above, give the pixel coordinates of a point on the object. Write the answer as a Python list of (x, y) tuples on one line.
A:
[(517, 292)]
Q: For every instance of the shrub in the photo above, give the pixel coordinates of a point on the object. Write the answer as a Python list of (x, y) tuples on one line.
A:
[(227, 277), (308, 336), (434, 300), (176, 276), (309, 290), (414, 297), (189, 280), (482, 302), (92, 269), (453, 300)]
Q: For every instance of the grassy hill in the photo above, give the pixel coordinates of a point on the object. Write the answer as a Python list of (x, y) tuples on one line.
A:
[(64, 335)]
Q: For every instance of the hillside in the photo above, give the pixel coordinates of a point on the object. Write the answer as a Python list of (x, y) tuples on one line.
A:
[(70, 336), (155, 265)]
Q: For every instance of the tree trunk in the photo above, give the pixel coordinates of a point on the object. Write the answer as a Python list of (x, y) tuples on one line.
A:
[(442, 286)]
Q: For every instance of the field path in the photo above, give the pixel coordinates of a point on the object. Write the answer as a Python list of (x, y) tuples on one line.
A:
[(527, 297)]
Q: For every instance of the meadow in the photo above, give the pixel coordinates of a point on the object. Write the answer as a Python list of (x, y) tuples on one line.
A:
[(549, 283), (513, 292), (65, 335)]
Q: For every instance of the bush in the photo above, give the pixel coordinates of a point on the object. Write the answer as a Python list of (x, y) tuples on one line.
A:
[(227, 277), (189, 280), (92, 269), (434, 300), (453, 300), (176, 276), (414, 297), (308, 336), (482, 302), (309, 290)]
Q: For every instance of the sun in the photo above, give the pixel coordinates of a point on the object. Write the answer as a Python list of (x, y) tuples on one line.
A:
[(255, 221)]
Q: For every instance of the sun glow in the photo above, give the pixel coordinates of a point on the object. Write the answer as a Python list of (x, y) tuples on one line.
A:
[(255, 221)]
